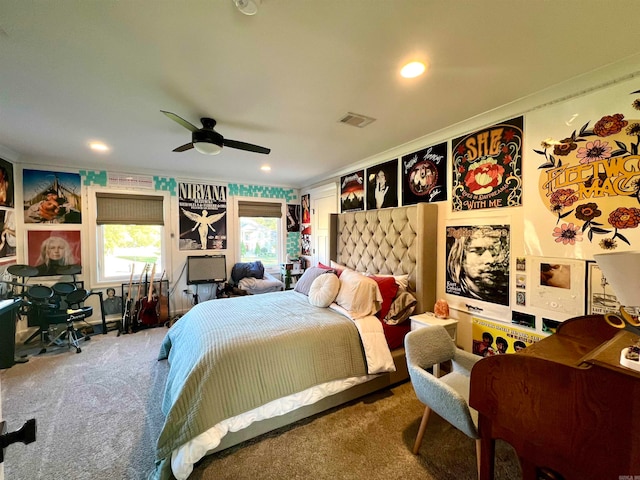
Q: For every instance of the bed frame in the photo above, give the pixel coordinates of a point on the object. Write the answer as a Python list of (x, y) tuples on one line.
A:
[(394, 241)]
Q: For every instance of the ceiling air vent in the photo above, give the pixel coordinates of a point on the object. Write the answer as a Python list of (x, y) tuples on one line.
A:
[(356, 120)]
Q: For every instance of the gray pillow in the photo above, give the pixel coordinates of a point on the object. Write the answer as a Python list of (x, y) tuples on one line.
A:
[(310, 274)]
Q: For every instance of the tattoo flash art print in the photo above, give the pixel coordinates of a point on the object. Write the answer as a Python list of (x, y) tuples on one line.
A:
[(352, 192), (203, 209), (424, 175), (487, 167), (478, 258), (590, 182)]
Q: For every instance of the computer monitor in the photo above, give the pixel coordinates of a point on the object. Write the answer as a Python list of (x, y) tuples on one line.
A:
[(206, 269)]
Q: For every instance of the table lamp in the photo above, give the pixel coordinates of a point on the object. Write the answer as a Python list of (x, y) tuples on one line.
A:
[(622, 271)]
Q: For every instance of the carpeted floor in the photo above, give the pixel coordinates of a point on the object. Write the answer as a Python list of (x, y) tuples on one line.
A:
[(98, 415)]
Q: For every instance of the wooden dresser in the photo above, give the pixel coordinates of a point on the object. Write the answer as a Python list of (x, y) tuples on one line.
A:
[(565, 404)]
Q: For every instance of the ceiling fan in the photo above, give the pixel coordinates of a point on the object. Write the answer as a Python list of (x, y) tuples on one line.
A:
[(206, 140)]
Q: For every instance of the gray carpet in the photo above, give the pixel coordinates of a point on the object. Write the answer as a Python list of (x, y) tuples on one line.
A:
[(98, 415)]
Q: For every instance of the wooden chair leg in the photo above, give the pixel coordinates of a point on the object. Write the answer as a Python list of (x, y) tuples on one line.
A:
[(421, 430), (478, 450)]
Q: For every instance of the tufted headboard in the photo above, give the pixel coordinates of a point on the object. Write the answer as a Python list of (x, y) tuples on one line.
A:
[(392, 241)]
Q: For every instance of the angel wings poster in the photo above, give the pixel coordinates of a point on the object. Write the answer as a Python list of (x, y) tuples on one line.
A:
[(203, 216)]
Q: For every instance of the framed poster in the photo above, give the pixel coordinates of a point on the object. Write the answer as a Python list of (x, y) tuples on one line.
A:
[(487, 167), (557, 285), (352, 192), (382, 185), (424, 175), (202, 216), (51, 197), (51, 250), (601, 298), (7, 187)]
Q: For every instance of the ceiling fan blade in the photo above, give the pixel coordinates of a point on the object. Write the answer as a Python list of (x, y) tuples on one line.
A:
[(181, 121), (246, 146), (184, 148)]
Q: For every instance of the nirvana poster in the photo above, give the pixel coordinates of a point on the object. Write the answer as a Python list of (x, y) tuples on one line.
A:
[(424, 175), (352, 192), (478, 258), (203, 221), (487, 167)]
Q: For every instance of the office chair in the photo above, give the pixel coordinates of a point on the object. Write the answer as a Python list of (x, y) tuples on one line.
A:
[(448, 395)]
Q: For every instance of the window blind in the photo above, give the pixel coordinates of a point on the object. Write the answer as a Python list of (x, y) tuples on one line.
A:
[(127, 209), (259, 209)]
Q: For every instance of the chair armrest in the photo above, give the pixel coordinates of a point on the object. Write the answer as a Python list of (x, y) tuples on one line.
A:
[(465, 360)]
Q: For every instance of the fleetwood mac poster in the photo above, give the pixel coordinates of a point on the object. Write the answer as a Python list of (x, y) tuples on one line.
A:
[(203, 221), (424, 175), (487, 167)]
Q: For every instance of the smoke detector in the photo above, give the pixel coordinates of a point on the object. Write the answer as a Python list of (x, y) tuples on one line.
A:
[(248, 7)]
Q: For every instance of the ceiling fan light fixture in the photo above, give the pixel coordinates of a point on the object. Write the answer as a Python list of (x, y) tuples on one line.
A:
[(207, 148), (248, 7)]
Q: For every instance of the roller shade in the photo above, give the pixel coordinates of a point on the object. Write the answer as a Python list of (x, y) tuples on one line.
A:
[(126, 209), (259, 209)]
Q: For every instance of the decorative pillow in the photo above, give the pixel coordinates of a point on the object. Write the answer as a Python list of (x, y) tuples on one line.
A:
[(389, 289), (324, 267), (401, 280), (401, 308), (324, 290), (339, 268), (304, 283), (358, 295), (249, 269)]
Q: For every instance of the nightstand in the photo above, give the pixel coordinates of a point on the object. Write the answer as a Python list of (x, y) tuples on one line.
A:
[(426, 319)]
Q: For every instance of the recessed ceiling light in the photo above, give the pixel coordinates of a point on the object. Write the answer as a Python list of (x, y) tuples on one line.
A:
[(98, 147), (265, 168), (413, 69)]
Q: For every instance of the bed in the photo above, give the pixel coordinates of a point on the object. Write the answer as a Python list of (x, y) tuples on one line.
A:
[(243, 366)]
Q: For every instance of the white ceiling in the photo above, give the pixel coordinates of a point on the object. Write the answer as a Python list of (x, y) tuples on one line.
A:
[(77, 70)]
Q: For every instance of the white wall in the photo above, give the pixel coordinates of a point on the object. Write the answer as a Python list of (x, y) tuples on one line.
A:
[(598, 81)]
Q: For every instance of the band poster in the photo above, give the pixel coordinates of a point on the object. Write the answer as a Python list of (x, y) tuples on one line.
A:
[(487, 167), (496, 338), (51, 197), (424, 175), (478, 262), (382, 185), (352, 192), (202, 212), (587, 172)]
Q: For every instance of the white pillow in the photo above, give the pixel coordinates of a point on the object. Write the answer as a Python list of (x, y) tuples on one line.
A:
[(358, 295), (401, 280), (324, 289)]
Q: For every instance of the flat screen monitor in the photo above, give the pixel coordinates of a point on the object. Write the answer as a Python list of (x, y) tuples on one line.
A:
[(206, 269)]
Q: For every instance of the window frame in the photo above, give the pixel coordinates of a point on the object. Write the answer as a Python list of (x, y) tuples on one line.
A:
[(281, 230), (95, 251)]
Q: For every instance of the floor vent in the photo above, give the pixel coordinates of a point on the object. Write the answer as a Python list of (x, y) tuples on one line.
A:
[(356, 120)]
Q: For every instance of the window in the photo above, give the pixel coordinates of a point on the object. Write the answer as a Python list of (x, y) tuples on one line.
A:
[(261, 233), (130, 234)]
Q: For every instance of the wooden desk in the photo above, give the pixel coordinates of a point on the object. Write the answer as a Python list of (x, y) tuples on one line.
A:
[(564, 404)]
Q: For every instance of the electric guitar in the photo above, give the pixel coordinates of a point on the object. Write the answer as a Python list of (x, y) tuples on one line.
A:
[(126, 316), (149, 313), (135, 317)]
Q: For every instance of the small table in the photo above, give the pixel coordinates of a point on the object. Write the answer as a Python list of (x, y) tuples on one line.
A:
[(427, 319)]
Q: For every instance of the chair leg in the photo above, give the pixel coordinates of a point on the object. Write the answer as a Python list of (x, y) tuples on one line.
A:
[(478, 449), (421, 430)]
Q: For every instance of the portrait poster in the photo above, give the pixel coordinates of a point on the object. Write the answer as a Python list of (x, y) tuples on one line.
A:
[(478, 262), (52, 250), (202, 213), (601, 299), (112, 302), (293, 218), (424, 175), (584, 161), (382, 185), (352, 192), (305, 200), (494, 338), (7, 233), (7, 186), (51, 197), (487, 167)]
